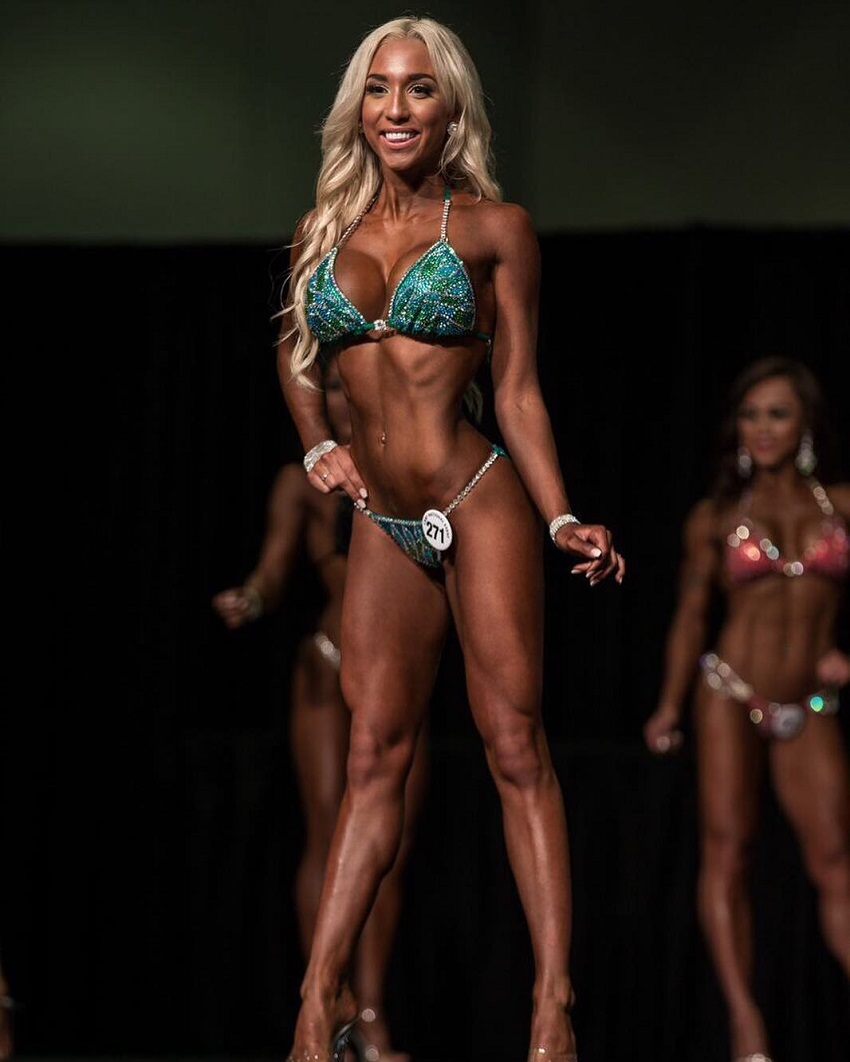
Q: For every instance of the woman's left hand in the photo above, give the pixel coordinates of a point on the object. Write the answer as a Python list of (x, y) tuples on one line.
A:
[(833, 668), (595, 542)]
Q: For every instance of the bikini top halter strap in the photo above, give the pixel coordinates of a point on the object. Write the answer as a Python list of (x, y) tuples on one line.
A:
[(814, 485), (444, 224)]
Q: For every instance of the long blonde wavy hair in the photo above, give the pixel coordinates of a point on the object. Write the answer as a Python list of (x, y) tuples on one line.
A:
[(350, 175)]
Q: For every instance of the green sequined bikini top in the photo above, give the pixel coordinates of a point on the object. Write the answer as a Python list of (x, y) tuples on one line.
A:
[(433, 298)]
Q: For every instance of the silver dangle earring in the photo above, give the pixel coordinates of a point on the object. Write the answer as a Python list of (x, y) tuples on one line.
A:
[(452, 128), (806, 461), (745, 462)]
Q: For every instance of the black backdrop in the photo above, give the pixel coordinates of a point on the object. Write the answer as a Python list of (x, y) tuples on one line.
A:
[(150, 822)]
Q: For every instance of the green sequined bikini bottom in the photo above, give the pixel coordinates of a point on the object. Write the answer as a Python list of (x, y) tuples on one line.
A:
[(408, 534)]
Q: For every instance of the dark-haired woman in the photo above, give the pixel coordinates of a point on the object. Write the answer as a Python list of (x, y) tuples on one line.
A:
[(773, 540)]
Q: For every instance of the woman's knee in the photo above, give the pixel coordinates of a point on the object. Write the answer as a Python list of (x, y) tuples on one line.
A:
[(517, 753), (828, 866), (726, 850), (378, 755)]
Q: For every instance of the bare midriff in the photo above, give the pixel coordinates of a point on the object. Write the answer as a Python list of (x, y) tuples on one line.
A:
[(776, 631), (410, 440)]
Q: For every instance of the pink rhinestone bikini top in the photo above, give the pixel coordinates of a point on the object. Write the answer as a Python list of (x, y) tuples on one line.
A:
[(751, 555)]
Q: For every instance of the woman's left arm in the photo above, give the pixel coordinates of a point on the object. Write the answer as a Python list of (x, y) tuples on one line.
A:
[(520, 410), (834, 666)]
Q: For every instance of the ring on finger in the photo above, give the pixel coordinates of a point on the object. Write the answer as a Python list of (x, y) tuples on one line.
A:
[(324, 476)]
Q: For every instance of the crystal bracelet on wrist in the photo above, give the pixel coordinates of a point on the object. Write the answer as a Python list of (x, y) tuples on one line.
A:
[(319, 450), (254, 601), (560, 521)]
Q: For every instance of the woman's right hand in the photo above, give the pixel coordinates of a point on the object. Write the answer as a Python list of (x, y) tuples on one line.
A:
[(238, 606), (336, 470), (661, 731)]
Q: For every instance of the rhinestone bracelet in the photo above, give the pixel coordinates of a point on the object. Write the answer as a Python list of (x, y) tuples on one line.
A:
[(319, 450), (560, 521), (254, 601)]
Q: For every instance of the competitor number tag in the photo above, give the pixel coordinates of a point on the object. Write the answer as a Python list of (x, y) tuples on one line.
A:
[(437, 529)]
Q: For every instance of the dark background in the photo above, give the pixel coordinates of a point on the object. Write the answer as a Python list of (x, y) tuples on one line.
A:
[(196, 120), (687, 169), (150, 822)]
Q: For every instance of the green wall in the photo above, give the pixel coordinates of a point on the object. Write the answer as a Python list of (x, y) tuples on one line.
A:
[(196, 120)]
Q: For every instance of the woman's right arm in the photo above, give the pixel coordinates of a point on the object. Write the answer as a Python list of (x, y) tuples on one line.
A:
[(286, 519), (686, 634), (334, 470), (833, 668)]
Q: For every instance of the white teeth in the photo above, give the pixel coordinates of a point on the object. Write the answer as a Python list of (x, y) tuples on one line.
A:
[(399, 136)]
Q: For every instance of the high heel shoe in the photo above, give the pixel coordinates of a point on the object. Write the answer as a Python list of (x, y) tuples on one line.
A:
[(339, 1045), (341, 1040)]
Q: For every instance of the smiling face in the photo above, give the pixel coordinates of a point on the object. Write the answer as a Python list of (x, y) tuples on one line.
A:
[(771, 420), (404, 114)]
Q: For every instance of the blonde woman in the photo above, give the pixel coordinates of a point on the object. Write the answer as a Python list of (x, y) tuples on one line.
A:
[(412, 266)]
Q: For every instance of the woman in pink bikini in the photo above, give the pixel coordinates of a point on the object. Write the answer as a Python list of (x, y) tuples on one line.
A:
[(774, 541)]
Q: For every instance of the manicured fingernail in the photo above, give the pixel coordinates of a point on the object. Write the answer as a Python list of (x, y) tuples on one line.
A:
[(575, 571), (360, 503), (364, 493), (596, 553)]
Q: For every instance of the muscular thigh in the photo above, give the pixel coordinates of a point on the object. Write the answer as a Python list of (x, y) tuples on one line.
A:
[(810, 775), (730, 760), (494, 579), (394, 621)]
